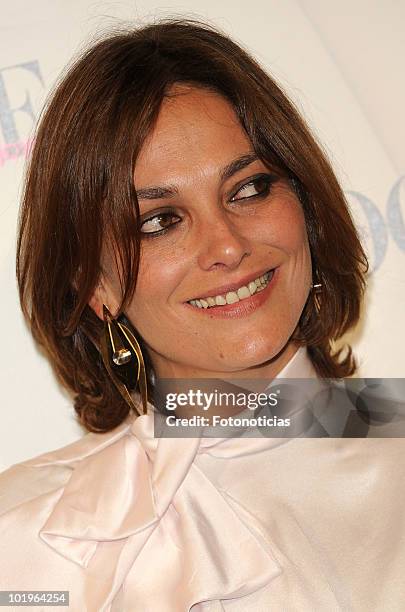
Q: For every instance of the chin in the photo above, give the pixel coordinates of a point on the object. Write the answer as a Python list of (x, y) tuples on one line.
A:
[(258, 352)]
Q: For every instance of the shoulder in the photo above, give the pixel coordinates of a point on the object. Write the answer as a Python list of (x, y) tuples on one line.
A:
[(36, 477)]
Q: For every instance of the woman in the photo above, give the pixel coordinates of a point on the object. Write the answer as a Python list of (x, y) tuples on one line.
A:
[(187, 225)]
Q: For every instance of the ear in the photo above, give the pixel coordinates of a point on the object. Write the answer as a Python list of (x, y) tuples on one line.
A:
[(103, 295)]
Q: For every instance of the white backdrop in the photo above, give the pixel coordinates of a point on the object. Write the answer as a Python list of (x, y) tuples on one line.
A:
[(341, 62)]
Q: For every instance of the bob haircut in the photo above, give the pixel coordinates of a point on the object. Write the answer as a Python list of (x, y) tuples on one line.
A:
[(80, 193)]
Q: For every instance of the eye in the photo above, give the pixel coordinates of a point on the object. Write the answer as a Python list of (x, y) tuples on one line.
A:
[(159, 222), (257, 186)]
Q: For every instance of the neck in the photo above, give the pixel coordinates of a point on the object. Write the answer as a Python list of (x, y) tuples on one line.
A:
[(253, 379), (166, 368)]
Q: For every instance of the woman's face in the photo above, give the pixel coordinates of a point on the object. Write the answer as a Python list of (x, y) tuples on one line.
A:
[(221, 228)]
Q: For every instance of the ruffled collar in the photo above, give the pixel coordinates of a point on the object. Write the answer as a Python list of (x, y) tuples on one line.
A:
[(119, 496)]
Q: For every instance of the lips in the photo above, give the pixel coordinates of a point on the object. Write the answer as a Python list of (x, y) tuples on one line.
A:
[(235, 292)]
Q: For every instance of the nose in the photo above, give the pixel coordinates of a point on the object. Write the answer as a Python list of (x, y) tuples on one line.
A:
[(221, 244)]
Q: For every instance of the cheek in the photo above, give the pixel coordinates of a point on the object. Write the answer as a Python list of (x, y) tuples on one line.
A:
[(283, 226), (296, 233), (160, 273)]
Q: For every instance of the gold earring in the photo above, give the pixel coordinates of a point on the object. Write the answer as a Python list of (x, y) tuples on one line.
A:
[(123, 360)]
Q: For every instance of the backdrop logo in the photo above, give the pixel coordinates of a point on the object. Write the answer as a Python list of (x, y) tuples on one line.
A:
[(374, 229), (18, 87)]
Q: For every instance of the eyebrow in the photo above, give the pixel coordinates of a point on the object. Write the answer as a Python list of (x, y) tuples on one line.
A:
[(157, 193)]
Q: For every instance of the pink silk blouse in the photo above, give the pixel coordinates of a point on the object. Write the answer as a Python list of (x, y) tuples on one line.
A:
[(129, 523)]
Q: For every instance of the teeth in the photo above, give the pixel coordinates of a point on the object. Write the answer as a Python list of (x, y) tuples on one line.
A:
[(243, 292), (252, 287), (232, 297)]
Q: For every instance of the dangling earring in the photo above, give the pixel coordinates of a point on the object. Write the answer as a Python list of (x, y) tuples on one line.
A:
[(316, 288), (123, 360)]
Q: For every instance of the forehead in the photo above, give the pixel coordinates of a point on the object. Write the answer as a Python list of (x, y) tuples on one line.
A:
[(197, 131)]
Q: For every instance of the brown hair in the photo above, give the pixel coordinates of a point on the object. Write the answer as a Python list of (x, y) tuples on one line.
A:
[(79, 191)]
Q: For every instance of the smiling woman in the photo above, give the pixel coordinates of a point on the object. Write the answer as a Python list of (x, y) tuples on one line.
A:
[(179, 221)]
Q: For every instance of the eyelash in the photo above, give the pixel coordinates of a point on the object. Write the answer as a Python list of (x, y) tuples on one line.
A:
[(267, 179)]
